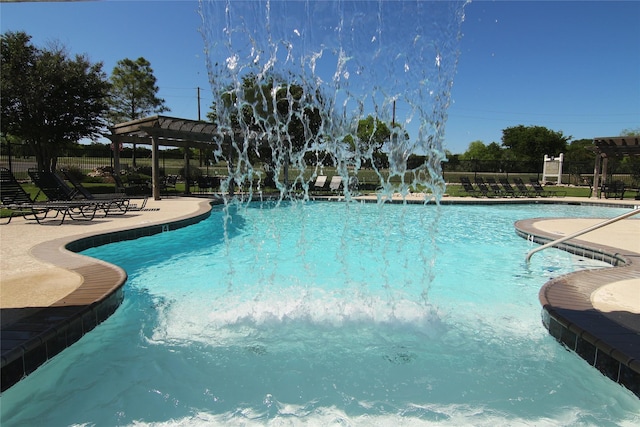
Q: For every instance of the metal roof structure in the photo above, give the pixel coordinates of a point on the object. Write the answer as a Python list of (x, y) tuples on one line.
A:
[(167, 131), (617, 145), (607, 147)]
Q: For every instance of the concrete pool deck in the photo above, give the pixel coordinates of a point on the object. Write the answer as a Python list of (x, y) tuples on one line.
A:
[(42, 282)]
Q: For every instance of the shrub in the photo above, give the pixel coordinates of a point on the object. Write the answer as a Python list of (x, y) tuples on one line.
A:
[(194, 173), (75, 172)]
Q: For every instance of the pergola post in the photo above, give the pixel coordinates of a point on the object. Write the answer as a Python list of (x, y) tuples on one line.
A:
[(116, 156), (603, 174), (595, 194), (155, 168), (187, 174)]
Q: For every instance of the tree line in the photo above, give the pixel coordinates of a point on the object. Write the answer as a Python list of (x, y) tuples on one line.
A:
[(51, 100)]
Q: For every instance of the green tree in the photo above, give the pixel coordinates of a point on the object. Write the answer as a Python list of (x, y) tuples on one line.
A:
[(630, 132), (579, 160), (284, 116), (532, 143), (578, 152), (133, 93), (475, 151), (49, 100), (372, 133)]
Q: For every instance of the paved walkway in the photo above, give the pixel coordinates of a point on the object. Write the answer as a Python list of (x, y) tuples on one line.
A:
[(27, 280), (623, 235)]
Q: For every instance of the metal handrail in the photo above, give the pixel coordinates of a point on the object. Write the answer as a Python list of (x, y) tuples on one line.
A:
[(581, 232)]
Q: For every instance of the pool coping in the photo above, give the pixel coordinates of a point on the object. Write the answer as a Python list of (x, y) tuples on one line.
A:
[(33, 335), (604, 340)]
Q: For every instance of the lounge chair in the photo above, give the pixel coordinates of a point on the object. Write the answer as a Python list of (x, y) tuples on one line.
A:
[(134, 187), (541, 192), (119, 204), (497, 190), (336, 182), (508, 189), (51, 185), (353, 185), (468, 187), (482, 187), (522, 188), (320, 183), (57, 190), (18, 201), (168, 184), (613, 190)]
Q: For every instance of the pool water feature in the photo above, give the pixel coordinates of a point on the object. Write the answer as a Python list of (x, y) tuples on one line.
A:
[(329, 314), (295, 82)]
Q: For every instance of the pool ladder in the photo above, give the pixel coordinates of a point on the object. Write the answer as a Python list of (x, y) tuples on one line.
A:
[(635, 211)]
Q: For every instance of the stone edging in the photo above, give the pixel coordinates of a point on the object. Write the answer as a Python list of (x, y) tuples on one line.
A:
[(570, 317)]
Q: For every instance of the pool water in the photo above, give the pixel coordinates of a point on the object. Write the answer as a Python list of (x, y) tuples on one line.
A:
[(329, 314)]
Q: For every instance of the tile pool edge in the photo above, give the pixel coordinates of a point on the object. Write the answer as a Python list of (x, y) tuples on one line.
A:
[(569, 316), (40, 333)]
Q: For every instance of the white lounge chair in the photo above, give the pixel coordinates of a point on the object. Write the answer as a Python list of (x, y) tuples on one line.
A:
[(335, 183), (321, 181)]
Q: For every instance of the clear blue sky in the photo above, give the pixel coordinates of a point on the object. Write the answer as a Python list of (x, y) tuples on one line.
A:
[(570, 66)]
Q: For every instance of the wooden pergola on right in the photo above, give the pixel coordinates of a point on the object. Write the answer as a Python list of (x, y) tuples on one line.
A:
[(611, 146)]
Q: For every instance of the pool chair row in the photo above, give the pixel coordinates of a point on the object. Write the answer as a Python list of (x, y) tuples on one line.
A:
[(503, 188), (63, 202), (335, 184)]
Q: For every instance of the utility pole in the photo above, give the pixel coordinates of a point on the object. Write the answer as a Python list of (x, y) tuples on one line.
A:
[(393, 118), (198, 103)]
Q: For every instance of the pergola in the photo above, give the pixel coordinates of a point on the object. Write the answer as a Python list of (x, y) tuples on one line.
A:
[(165, 131), (606, 147)]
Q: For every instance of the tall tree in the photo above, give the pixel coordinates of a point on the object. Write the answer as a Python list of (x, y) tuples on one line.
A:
[(134, 93), (49, 100), (532, 143), (372, 133), (284, 113)]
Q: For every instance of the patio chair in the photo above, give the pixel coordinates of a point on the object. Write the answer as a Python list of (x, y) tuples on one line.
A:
[(468, 187), (320, 183), (497, 190), (482, 187), (168, 184), (508, 189), (51, 185), (336, 182), (353, 185), (120, 203), (56, 189), (541, 192), (20, 203), (134, 186), (522, 188), (613, 190)]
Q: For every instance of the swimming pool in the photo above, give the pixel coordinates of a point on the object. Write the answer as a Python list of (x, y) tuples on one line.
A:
[(329, 313)]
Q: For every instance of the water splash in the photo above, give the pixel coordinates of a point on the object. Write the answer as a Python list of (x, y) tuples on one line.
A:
[(357, 85)]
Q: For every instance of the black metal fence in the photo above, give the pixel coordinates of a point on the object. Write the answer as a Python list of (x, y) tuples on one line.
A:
[(88, 159), (19, 160), (573, 173)]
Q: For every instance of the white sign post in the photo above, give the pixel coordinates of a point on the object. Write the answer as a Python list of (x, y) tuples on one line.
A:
[(552, 169)]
